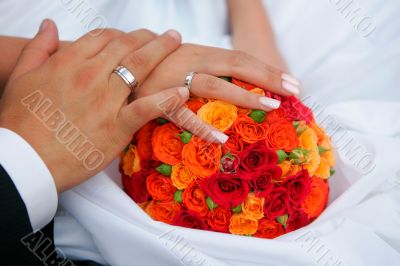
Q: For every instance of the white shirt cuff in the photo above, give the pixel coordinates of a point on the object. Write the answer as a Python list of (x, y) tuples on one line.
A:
[(31, 177)]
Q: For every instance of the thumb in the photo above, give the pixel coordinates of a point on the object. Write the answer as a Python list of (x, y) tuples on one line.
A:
[(142, 110), (38, 50)]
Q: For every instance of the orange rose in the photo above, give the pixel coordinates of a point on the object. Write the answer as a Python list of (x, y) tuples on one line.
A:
[(130, 161), (218, 114), (316, 201), (144, 138), (308, 139), (194, 104), (324, 170), (181, 176), (329, 157), (195, 199), (282, 136), (276, 116), (253, 206), (241, 224), (160, 187), (269, 229), (248, 130), (167, 145), (218, 219), (313, 161), (163, 211), (288, 169), (202, 158), (320, 132)]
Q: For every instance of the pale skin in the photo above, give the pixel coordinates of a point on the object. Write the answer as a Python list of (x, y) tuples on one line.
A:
[(85, 67)]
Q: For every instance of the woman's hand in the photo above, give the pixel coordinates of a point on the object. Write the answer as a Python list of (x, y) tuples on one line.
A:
[(210, 63), (71, 108)]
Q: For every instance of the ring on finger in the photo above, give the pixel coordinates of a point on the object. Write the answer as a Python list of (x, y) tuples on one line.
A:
[(127, 77), (188, 80)]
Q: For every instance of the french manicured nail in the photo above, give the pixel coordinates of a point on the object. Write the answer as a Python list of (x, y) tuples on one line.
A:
[(270, 103), (174, 34), (221, 137), (184, 92), (44, 25), (291, 79), (293, 89)]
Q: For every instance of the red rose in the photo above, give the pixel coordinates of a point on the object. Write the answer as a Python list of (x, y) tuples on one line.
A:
[(219, 219), (149, 165), (296, 110), (269, 229), (296, 220), (255, 158), (190, 219), (298, 187), (135, 186), (226, 190), (276, 204), (262, 181), (234, 144)]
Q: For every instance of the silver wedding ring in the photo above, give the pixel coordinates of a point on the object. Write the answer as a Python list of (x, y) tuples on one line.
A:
[(127, 77), (189, 79)]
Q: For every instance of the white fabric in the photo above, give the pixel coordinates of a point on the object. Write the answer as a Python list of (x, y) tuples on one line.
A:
[(335, 64), (30, 176)]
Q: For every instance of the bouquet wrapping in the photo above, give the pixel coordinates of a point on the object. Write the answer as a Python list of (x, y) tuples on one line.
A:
[(269, 178)]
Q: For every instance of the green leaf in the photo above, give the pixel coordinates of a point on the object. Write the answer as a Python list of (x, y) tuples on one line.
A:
[(186, 136), (229, 79), (211, 204), (282, 219), (321, 150), (282, 155), (332, 172), (299, 155), (165, 169), (258, 116), (178, 196), (162, 121), (237, 209)]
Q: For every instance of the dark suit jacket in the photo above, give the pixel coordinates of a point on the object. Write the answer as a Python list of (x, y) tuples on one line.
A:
[(18, 244)]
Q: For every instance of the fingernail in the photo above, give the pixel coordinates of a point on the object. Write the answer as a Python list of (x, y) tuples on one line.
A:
[(291, 79), (184, 92), (44, 25), (174, 34), (290, 87), (220, 137), (270, 103)]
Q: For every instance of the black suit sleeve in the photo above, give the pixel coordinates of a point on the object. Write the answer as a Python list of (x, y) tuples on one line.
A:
[(15, 227)]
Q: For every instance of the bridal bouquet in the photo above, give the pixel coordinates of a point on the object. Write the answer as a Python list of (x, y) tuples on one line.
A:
[(269, 178)]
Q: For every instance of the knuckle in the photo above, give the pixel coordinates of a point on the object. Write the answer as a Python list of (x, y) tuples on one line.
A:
[(136, 60), (147, 33), (105, 33), (212, 84), (237, 59), (168, 42)]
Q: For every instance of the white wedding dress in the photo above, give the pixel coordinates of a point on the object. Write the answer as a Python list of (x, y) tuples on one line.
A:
[(352, 82)]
